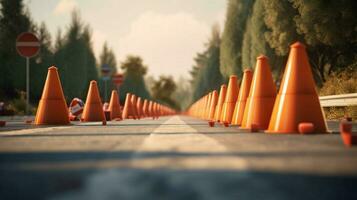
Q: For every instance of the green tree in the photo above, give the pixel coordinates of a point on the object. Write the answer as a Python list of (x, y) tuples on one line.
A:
[(13, 21), (75, 59), (329, 28), (206, 75), (107, 57), (232, 37), (134, 72), (254, 42), (41, 63), (163, 90)]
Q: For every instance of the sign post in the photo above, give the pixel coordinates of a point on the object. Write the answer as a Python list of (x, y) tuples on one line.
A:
[(118, 80), (105, 76), (28, 46)]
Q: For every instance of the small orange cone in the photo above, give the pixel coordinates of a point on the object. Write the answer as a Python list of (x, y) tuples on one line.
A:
[(242, 97), (150, 109), (146, 108), (222, 96), (52, 108), (127, 107), (261, 97), (114, 106), (230, 100), (139, 107), (93, 108), (207, 106), (297, 100), (133, 107), (213, 105)]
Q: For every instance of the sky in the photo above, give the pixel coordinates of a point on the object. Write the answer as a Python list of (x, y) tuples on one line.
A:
[(167, 34)]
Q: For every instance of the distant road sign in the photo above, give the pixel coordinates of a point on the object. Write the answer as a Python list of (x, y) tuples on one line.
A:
[(118, 79), (106, 69), (27, 44)]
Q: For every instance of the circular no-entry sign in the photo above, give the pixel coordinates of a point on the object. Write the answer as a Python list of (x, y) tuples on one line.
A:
[(118, 79), (27, 44)]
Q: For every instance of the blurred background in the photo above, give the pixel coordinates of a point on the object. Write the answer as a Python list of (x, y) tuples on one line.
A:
[(173, 51)]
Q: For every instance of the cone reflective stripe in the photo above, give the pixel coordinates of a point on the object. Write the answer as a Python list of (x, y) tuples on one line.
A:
[(230, 100), (127, 107), (52, 109), (146, 108), (114, 106), (261, 97), (93, 108), (297, 101), (242, 97), (213, 104), (219, 107), (139, 107)]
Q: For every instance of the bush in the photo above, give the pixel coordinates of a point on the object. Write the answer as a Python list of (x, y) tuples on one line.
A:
[(342, 82)]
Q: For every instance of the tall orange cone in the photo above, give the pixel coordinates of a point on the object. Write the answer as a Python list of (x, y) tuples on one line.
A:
[(127, 107), (242, 97), (93, 108), (52, 108), (222, 96), (261, 97), (207, 106), (114, 106), (297, 101), (212, 108), (230, 100)]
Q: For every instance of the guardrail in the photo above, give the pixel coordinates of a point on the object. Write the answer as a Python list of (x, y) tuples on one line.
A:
[(339, 100)]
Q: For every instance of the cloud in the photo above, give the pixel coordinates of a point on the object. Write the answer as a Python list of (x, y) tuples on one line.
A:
[(65, 6), (166, 42)]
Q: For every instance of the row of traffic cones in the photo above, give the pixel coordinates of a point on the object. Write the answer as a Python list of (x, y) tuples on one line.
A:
[(53, 110), (256, 104)]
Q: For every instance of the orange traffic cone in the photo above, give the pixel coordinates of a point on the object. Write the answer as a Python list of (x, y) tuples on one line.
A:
[(230, 100), (133, 107), (222, 96), (114, 106), (207, 106), (146, 108), (242, 97), (127, 107), (297, 101), (139, 107), (52, 108), (93, 108), (261, 97), (212, 108)]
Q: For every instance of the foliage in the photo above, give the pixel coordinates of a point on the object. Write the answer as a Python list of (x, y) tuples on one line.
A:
[(232, 37), (342, 82), (134, 71), (163, 89), (205, 74)]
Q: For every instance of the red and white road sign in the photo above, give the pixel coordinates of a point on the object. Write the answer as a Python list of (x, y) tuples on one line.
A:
[(118, 79), (27, 44)]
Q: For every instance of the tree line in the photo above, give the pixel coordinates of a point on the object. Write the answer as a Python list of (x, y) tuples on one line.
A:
[(71, 51), (269, 27)]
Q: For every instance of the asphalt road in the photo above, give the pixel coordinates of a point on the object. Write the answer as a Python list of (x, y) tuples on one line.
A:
[(174, 157)]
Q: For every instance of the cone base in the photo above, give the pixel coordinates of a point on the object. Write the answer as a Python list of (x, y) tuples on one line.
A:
[(94, 113), (52, 112), (259, 112), (296, 109)]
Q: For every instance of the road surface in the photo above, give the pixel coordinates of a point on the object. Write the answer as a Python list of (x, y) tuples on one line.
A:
[(175, 157)]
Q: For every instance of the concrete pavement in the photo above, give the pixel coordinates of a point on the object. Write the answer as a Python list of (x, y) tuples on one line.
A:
[(171, 158)]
